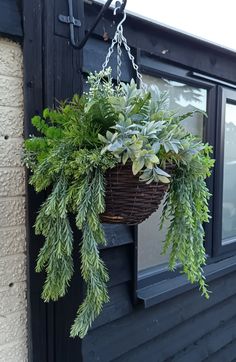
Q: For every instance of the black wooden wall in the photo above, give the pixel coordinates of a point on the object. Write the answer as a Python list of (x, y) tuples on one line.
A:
[(182, 328), (11, 19), (185, 328), (52, 72)]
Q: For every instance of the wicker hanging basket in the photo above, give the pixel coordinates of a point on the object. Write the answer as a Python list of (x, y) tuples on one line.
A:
[(128, 200)]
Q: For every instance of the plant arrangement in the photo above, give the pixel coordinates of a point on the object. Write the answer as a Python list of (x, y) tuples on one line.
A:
[(79, 142)]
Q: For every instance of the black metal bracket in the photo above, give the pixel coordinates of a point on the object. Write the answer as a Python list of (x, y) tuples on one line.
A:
[(69, 20), (77, 23)]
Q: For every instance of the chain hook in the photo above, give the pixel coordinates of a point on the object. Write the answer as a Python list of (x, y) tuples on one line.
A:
[(120, 7), (119, 26), (119, 40)]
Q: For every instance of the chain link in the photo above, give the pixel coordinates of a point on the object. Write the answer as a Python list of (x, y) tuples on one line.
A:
[(119, 62), (135, 66), (109, 53), (118, 40)]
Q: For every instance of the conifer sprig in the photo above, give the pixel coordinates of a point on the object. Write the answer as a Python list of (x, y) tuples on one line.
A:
[(55, 257)]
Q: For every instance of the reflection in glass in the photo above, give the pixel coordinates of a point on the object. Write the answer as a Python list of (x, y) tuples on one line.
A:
[(229, 180), (182, 99)]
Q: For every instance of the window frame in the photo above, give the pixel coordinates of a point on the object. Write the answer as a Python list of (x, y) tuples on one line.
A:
[(224, 94), (152, 66)]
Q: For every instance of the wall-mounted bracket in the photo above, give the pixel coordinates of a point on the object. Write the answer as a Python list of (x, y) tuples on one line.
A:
[(76, 22), (69, 20)]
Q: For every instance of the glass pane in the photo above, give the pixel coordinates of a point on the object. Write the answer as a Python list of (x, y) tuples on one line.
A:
[(229, 180), (182, 98)]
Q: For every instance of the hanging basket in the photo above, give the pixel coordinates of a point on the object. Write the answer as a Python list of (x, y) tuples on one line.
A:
[(128, 200)]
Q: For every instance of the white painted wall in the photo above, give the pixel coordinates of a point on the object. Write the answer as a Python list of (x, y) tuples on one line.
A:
[(13, 317)]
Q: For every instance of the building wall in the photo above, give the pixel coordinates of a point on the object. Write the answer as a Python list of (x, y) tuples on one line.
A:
[(13, 317), (186, 328)]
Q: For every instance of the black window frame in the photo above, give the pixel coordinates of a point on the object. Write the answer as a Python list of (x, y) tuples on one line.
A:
[(153, 66), (225, 94)]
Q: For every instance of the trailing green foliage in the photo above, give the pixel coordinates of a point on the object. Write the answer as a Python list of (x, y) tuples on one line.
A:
[(93, 270), (77, 143), (186, 206), (56, 254)]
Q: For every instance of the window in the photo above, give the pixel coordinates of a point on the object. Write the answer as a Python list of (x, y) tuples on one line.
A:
[(225, 185), (229, 176), (190, 91), (183, 98), (186, 93)]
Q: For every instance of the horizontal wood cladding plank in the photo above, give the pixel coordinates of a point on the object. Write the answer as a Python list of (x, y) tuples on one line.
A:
[(210, 344), (119, 305), (164, 347), (144, 325), (10, 18), (226, 354), (169, 45), (119, 264), (117, 234)]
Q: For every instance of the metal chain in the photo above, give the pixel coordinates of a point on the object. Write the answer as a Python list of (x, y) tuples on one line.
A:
[(135, 66), (119, 54), (118, 40), (110, 51)]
